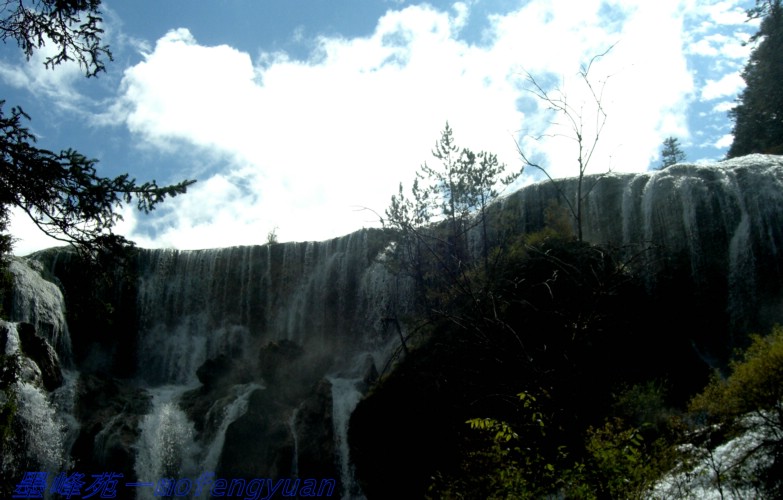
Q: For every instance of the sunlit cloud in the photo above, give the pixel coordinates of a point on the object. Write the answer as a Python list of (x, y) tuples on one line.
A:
[(307, 143), (729, 85)]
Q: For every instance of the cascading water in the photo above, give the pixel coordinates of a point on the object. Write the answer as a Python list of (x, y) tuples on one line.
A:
[(229, 414), (295, 436), (45, 430), (40, 303), (288, 316), (345, 397), (724, 222), (166, 444)]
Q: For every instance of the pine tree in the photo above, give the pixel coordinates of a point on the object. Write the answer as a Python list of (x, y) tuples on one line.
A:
[(671, 152), (758, 116), (63, 193)]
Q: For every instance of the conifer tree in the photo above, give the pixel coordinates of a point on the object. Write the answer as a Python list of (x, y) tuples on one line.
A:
[(63, 193), (671, 152), (758, 115)]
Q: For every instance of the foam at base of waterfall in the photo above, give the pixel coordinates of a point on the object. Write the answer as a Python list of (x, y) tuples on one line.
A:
[(166, 444), (45, 430)]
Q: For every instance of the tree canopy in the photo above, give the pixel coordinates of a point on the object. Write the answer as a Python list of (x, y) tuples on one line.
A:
[(457, 190), (758, 115), (62, 192)]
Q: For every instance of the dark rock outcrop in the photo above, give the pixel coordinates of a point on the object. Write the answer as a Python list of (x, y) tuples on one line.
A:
[(110, 411), (315, 427), (39, 350)]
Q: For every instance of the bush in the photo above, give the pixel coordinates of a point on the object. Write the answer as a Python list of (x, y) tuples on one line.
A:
[(749, 402)]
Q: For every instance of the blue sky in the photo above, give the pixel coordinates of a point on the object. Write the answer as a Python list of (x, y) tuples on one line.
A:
[(296, 113)]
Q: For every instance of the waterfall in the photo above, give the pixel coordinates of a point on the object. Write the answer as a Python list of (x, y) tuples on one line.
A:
[(345, 397), (166, 445), (45, 431), (723, 221), (40, 303), (284, 317), (295, 437)]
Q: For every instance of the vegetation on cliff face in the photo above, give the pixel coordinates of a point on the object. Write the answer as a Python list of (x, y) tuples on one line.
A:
[(538, 367)]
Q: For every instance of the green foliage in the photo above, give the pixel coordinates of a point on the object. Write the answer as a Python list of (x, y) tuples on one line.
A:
[(644, 405), (615, 462), (506, 464), (432, 224), (671, 153), (463, 184), (6, 278), (754, 385), (758, 127), (621, 466), (749, 399)]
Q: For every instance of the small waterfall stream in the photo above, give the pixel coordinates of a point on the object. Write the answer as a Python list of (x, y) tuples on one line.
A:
[(234, 410), (345, 397)]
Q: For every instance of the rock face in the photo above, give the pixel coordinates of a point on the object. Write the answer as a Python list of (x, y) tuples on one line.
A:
[(110, 411), (40, 303), (281, 336), (716, 229), (39, 350)]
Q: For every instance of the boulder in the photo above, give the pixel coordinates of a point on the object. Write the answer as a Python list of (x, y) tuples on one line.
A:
[(38, 349)]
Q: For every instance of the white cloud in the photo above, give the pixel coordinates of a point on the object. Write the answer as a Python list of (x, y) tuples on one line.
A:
[(300, 144), (725, 141), (723, 107), (56, 84), (728, 86), (310, 141), (28, 238)]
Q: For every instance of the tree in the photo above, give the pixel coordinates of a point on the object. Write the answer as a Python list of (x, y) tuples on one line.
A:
[(457, 192), (434, 226), (463, 186), (671, 153), (586, 140), (62, 192), (758, 115), (73, 26)]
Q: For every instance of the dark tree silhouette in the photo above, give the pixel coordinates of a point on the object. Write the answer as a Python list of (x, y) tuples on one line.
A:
[(671, 153), (62, 192), (758, 115)]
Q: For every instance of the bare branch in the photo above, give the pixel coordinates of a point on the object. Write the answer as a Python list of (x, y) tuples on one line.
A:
[(574, 118)]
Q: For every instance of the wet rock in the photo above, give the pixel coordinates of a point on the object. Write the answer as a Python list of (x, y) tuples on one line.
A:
[(109, 410), (369, 374), (259, 443), (315, 429), (38, 349), (215, 372), (275, 356)]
